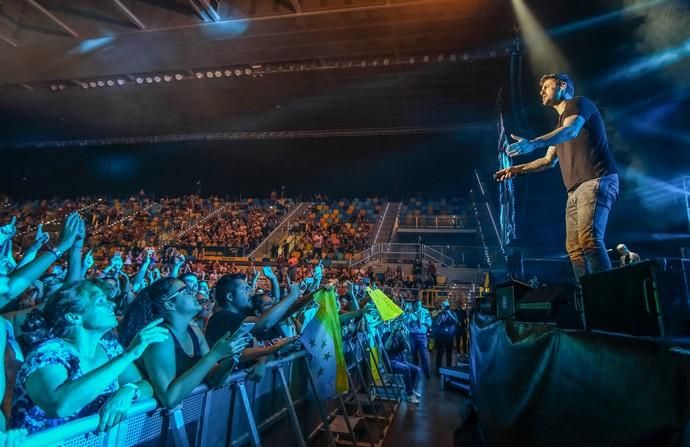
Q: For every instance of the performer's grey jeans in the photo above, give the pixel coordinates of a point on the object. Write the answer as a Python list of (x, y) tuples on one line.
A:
[(586, 214)]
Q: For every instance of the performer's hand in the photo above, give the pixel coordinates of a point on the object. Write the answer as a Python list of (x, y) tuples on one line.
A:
[(523, 146), (506, 174)]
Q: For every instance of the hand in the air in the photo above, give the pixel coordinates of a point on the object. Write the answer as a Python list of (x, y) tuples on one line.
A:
[(505, 174), (229, 346), (41, 237), (521, 147), (151, 333), (8, 230), (70, 232), (88, 260)]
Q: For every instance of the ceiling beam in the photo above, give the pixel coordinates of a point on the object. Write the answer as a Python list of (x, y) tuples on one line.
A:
[(130, 15), (8, 40), (309, 13), (52, 17)]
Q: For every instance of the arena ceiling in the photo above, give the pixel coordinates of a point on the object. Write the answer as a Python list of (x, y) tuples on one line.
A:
[(247, 65)]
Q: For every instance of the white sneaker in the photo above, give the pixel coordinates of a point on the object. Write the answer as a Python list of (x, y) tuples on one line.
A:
[(413, 399)]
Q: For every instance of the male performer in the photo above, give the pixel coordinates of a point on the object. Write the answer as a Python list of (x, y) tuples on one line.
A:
[(589, 174)]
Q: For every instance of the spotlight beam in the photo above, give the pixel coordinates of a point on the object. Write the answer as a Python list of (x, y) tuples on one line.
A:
[(129, 14), (592, 22), (648, 64), (543, 53), (52, 17)]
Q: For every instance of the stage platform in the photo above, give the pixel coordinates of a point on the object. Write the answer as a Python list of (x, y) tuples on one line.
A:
[(535, 385)]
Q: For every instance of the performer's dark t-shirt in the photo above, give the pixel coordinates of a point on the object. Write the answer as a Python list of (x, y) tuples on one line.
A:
[(588, 155), (222, 322)]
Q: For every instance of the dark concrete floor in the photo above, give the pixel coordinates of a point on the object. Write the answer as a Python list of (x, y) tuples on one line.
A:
[(432, 422)]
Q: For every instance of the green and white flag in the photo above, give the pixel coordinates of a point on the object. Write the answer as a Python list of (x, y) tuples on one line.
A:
[(322, 339)]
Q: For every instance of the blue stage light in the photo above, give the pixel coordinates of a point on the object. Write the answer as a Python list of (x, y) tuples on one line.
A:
[(647, 64), (91, 45), (601, 19)]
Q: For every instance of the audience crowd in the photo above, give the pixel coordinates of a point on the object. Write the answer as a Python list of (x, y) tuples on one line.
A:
[(87, 334), (240, 225), (332, 229)]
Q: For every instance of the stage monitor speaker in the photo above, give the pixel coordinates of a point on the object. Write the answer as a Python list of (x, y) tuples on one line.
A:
[(507, 295), (555, 303), (486, 305), (644, 299)]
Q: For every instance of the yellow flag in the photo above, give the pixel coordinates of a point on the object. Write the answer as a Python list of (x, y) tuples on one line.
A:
[(386, 307)]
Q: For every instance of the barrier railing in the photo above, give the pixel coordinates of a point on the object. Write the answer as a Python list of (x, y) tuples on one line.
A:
[(448, 222), (208, 417), (275, 411)]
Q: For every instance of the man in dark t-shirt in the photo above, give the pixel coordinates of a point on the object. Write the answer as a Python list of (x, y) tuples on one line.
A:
[(233, 306), (580, 145)]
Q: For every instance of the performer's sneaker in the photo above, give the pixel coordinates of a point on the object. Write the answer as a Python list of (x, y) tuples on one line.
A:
[(413, 399)]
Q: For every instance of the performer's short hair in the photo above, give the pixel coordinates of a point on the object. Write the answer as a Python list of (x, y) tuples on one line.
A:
[(560, 78)]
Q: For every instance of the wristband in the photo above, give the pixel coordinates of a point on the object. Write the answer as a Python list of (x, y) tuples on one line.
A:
[(137, 392), (56, 251)]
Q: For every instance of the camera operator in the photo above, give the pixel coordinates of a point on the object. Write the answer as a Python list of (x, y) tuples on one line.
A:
[(444, 329)]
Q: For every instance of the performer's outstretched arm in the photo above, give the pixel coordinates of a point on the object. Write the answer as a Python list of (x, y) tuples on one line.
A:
[(540, 164), (569, 130)]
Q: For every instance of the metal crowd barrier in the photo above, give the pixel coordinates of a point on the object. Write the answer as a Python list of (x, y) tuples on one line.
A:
[(224, 416), (282, 409)]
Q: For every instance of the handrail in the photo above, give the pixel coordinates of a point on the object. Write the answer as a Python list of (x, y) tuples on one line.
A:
[(298, 207), (436, 255), (382, 219), (440, 221)]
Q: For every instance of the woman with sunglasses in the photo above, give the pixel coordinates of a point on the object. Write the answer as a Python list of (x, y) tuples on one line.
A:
[(179, 364)]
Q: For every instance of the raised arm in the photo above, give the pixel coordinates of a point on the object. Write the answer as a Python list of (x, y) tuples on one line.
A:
[(22, 278), (569, 130), (74, 263), (275, 285), (300, 302), (138, 280), (87, 263), (40, 240), (278, 312), (178, 261)]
